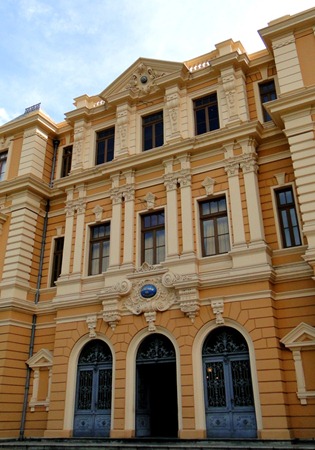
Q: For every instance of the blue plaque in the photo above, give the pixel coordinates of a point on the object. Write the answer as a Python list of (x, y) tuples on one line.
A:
[(148, 291)]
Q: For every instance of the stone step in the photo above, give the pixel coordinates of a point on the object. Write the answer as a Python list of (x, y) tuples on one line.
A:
[(155, 444)]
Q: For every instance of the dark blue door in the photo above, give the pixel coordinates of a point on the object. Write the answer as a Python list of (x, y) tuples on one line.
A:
[(229, 401), (94, 390)]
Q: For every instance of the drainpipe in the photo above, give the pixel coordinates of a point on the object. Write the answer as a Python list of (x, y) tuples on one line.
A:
[(37, 295)]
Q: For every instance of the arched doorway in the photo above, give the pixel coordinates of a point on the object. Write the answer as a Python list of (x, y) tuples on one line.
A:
[(229, 401), (93, 391), (156, 394)]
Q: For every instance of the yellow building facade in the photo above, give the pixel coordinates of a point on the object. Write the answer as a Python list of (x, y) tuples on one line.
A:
[(158, 251)]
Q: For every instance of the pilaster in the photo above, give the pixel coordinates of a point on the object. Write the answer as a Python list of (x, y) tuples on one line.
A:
[(33, 153), (184, 179), (129, 197), (116, 222), (170, 183)]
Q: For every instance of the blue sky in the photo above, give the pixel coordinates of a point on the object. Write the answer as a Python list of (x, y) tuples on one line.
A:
[(55, 50)]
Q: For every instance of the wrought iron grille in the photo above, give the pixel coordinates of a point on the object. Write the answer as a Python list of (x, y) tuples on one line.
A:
[(224, 341), (95, 352), (156, 347), (215, 384), (85, 390), (242, 386), (104, 389)]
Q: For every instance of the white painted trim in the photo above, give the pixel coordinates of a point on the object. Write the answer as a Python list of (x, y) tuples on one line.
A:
[(200, 417), (202, 198), (276, 214), (130, 401), (72, 379)]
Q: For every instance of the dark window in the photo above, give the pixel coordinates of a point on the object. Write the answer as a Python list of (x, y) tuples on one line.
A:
[(105, 145), (153, 130), (153, 238), (66, 161), (57, 260), (214, 227), (288, 218), (99, 248), (267, 92), (3, 164), (206, 114)]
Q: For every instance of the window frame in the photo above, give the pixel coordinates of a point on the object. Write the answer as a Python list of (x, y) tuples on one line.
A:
[(66, 161), (4, 156), (110, 134), (57, 256), (265, 116), (155, 228), (205, 107), (280, 224), (153, 125), (206, 217), (105, 238)]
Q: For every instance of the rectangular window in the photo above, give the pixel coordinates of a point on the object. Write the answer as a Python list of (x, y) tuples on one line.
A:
[(66, 161), (214, 227), (206, 114), (3, 164), (57, 260), (289, 226), (99, 248), (153, 130), (153, 238), (267, 91), (105, 140)]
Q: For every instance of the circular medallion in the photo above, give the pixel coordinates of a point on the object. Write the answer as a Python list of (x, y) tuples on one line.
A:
[(148, 291), (144, 79)]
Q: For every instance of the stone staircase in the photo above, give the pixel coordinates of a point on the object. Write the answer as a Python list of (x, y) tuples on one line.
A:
[(155, 444)]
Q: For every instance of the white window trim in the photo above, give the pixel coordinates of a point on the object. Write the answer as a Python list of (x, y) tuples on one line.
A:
[(190, 110), (199, 200), (276, 214), (42, 359), (296, 342), (259, 105)]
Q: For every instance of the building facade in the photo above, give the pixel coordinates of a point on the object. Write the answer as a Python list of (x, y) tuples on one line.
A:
[(158, 251)]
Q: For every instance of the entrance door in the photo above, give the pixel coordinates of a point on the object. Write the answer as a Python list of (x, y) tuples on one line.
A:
[(93, 392), (229, 401), (156, 402)]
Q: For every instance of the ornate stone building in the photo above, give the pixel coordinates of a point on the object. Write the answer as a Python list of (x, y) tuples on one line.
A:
[(158, 251)]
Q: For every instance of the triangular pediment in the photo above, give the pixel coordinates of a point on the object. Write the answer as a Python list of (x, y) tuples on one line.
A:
[(43, 358), (142, 78), (301, 336)]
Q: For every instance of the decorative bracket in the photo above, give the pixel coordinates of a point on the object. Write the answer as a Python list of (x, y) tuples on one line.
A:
[(91, 323)]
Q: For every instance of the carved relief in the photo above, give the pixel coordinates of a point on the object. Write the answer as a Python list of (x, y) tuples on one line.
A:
[(91, 323), (217, 308), (98, 211), (150, 200), (159, 298), (208, 183), (143, 80)]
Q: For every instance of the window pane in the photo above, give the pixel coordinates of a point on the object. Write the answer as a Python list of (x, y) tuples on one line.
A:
[(160, 238), (160, 256), (148, 240), (148, 256), (208, 228)]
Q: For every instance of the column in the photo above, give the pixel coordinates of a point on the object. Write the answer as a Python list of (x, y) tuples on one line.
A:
[(115, 225), (170, 182), (184, 179), (129, 196)]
